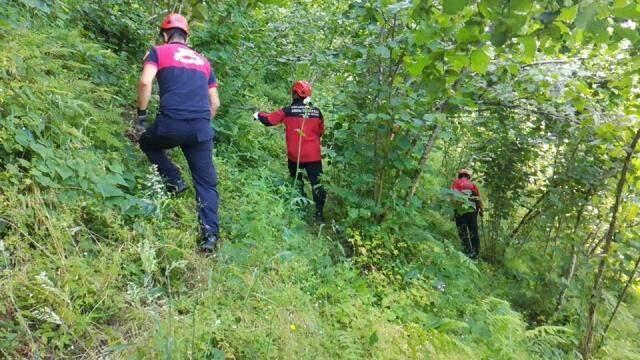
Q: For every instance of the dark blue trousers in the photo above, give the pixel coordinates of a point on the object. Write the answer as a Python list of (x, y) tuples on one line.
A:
[(195, 138)]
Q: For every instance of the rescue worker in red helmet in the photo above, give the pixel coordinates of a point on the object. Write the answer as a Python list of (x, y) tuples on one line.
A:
[(466, 213), (304, 127), (188, 102)]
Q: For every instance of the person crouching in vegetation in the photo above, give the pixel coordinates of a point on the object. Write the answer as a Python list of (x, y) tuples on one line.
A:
[(466, 212), (304, 127), (188, 102)]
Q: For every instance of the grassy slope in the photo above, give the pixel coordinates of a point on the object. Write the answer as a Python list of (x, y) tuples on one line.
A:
[(276, 290), (280, 288)]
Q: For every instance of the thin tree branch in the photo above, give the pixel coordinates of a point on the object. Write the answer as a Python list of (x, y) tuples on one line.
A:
[(553, 62), (587, 343), (532, 213), (622, 295)]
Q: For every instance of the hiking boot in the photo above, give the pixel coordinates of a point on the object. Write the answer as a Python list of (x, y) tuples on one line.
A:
[(209, 243), (177, 188)]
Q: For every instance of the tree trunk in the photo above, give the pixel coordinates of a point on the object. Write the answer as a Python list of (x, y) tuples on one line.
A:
[(568, 278), (426, 151), (423, 160), (573, 250), (587, 342)]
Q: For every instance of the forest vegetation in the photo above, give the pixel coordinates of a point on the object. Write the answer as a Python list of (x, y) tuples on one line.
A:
[(538, 98)]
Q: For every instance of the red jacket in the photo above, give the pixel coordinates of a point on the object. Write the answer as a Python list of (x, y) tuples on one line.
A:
[(305, 148), (466, 187)]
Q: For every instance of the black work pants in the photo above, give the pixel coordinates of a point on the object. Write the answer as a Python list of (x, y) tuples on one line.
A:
[(468, 231), (314, 170), (199, 156)]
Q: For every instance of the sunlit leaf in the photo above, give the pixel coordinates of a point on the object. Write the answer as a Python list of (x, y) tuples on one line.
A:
[(479, 61)]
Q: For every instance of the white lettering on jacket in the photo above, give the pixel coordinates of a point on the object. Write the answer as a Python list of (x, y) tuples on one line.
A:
[(188, 56)]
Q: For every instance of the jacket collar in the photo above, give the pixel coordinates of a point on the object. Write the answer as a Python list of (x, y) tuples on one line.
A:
[(300, 102)]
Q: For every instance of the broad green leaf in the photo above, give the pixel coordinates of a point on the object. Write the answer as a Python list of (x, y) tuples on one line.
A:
[(631, 11), (620, 33), (457, 61), (598, 29), (529, 47), (416, 66), (24, 138), (583, 88), (46, 181), (491, 9), (586, 15), (107, 190), (617, 4), (520, 5), (64, 171), (499, 34), (479, 61), (452, 325), (114, 179), (562, 27), (116, 168), (453, 7), (568, 14), (423, 36), (24, 163), (468, 34), (43, 151)]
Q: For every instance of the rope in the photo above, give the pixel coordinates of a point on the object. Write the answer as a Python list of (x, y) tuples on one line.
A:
[(301, 134)]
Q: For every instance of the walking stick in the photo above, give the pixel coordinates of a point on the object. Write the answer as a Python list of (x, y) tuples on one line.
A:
[(307, 102), (484, 235)]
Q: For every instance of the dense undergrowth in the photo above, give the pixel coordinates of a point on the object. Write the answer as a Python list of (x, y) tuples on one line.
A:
[(97, 261)]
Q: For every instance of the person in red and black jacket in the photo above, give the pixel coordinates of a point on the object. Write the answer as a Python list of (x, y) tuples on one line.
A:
[(304, 127), (466, 213)]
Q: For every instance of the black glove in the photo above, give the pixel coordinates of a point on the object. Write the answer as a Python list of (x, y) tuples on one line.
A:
[(141, 120)]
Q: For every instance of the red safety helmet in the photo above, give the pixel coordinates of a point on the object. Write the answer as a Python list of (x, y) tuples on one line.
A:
[(175, 21), (302, 89)]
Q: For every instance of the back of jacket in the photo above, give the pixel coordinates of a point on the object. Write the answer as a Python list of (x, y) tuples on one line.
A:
[(304, 127), (468, 188), (184, 78)]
